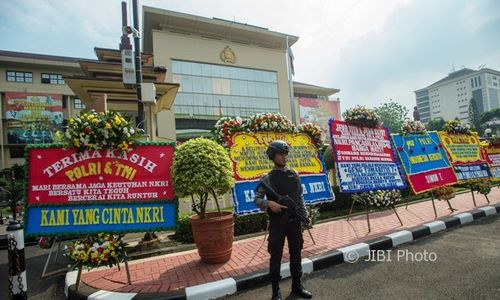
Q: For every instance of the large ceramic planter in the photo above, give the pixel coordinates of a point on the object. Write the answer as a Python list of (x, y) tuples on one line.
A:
[(214, 236)]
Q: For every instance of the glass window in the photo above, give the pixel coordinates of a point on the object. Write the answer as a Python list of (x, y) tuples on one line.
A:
[(79, 104), (197, 85), (216, 71), (176, 67), (235, 87), (206, 70), (213, 90), (52, 78), (196, 69), (233, 72), (187, 83), (244, 88), (185, 68), (17, 76)]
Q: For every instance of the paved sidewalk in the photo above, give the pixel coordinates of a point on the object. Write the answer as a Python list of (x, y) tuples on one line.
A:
[(169, 274)]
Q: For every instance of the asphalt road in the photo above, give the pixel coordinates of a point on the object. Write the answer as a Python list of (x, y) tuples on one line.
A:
[(463, 263), (51, 287)]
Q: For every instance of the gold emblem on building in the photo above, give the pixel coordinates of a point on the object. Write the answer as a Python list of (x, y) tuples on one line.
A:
[(227, 55)]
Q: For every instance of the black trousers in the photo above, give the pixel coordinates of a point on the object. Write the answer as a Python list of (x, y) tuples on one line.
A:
[(277, 232)]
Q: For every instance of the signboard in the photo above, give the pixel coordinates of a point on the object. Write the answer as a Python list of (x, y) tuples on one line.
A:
[(67, 189), (424, 161), (87, 219), (364, 158), (493, 157), (318, 112), (32, 118), (250, 162), (65, 176), (466, 157)]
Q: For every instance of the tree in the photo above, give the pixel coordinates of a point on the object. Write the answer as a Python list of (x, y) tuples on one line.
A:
[(491, 119), (328, 157), (436, 124), (202, 169), (474, 115), (393, 115)]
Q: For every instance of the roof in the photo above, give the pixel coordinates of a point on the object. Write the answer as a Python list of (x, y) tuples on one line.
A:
[(39, 56), (161, 19), (89, 89), (115, 55), (300, 87), (453, 75)]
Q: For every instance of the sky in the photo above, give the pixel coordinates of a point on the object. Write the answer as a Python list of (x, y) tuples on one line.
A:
[(372, 50)]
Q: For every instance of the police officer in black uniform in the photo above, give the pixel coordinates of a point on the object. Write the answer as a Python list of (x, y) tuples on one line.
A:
[(283, 181)]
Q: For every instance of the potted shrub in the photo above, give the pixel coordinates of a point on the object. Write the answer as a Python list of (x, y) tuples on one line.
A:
[(202, 170)]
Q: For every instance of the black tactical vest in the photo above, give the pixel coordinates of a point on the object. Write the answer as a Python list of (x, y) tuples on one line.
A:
[(285, 183)]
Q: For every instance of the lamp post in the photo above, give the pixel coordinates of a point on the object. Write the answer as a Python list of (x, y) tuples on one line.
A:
[(138, 66)]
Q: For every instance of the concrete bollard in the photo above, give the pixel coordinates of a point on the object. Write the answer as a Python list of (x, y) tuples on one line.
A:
[(18, 286)]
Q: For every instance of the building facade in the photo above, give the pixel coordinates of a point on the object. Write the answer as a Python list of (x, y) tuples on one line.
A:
[(449, 97), (224, 68), (214, 68), (316, 106), (35, 101)]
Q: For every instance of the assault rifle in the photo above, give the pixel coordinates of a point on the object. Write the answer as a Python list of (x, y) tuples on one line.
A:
[(292, 207)]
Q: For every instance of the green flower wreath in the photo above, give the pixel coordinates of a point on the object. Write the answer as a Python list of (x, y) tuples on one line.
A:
[(97, 250), (362, 116), (96, 131), (456, 127), (443, 193), (272, 122), (379, 198)]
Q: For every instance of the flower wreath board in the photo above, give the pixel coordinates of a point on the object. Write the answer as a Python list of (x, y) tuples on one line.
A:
[(74, 192), (424, 161), (247, 146), (465, 154), (366, 165), (364, 158), (492, 152)]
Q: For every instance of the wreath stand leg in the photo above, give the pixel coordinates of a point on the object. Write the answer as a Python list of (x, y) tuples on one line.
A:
[(368, 217), (473, 198), (78, 276), (117, 263), (350, 211), (127, 269), (267, 231), (311, 236), (309, 228), (434, 205), (486, 196), (57, 241), (449, 206), (394, 209)]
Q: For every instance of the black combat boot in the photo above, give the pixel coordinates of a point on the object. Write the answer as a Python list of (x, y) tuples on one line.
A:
[(299, 290), (276, 291)]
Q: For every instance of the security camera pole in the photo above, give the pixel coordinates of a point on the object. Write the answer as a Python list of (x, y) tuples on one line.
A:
[(138, 66)]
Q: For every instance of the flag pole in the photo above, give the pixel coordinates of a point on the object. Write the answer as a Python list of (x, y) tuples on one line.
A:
[(290, 80)]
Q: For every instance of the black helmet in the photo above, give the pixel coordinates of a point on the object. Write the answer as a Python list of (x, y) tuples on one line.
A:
[(277, 146)]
